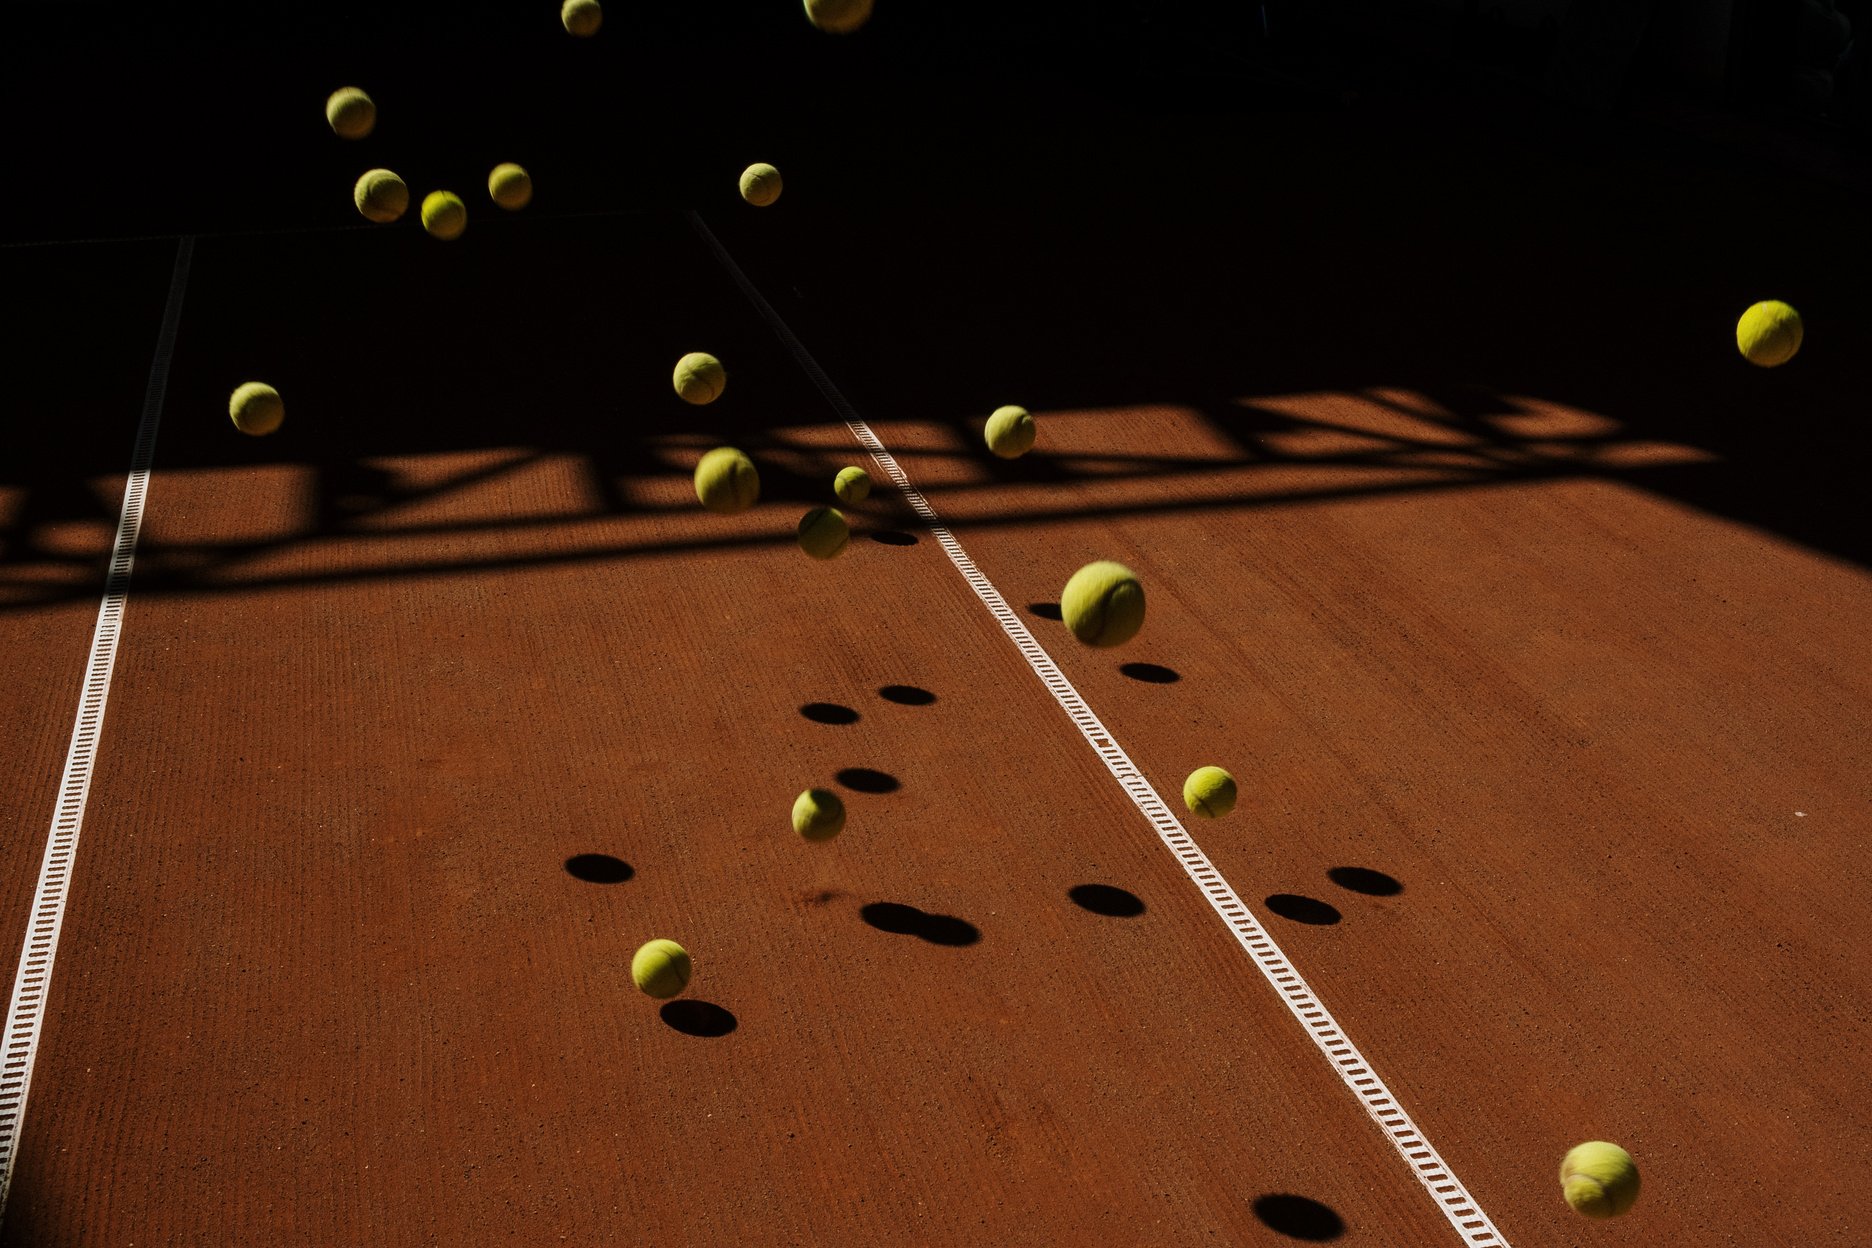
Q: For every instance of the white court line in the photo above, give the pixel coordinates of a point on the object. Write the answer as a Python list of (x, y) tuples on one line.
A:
[(32, 985), (1463, 1213)]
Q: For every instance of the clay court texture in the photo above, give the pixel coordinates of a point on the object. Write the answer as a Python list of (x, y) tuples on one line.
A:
[(1530, 619)]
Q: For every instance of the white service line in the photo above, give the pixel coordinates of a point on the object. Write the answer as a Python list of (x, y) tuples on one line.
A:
[(33, 984), (1463, 1213)]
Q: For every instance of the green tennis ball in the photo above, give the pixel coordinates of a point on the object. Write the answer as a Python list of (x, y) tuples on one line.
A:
[(444, 215), (823, 532), (852, 485), (510, 186), (700, 378), (1599, 1179), (726, 481), (840, 17), (255, 408), (381, 196), (818, 814), (1209, 792), (760, 184), (1103, 604), (581, 17), (1769, 333), (1010, 432), (661, 968), (352, 113)]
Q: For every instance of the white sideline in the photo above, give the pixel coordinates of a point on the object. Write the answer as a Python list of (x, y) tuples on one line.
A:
[(1463, 1213), (33, 983)]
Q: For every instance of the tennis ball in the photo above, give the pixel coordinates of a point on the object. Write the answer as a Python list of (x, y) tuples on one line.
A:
[(823, 532), (1209, 792), (1010, 432), (1103, 604), (381, 196), (760, 185), (700, 378), (818, 814), (443, 214), (352, 113), (1769, 333), (581, 17), (510, 186), (726, 481), (1599, 1179), (661, 968), (840, 17), (256, 408), (852, 485)]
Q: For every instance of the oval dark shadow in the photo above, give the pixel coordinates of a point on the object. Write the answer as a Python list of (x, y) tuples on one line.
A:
[(906, 695), (1365, 880), (829, 713), (1303, 909), (902, 920), (868, 780), (598, 868), (1151, 673), (1107, 899), (1046, 610), (1299, 1217), (698, 1018), (894, 537)]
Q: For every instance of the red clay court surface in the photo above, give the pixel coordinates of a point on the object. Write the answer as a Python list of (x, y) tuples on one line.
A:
[(434, 706)]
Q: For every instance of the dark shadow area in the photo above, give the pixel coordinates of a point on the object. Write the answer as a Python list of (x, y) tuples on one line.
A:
[(894, 537), (938, 929), (1151, 673), (1303, 909), (1365, 880), (1046, 610), (906, 695), (1106, 899), (698, 1018), (829, 713), (1299, 1217), (598, 868), (869, 780)]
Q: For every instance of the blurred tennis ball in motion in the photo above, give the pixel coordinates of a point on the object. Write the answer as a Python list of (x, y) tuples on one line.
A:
[(581, 17), (510, 186), (840, 17), (852, 485), (823, 532), (1010, 432), (444, 215), (726, 481), (381, 196), (351, 112), (661, 968), (818, 814), (256, 408), (1769, 333), (760, 184), (1103, 604), (700, 378), (1599, 1179), (1209, 792)]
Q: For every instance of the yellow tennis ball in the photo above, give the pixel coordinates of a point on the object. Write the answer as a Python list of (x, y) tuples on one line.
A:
[(444, 215), (726, 481), (760, 184), (581, 17), (840, 17), (818, 814), (1010, 432), (1209, 792), (352, 113), (1103, 604), (823, 532), (700, 378), (1599, 1179), (1769, 333), (510, 186), (661, 968), (255, 408), (852, 485), (381, 196)]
